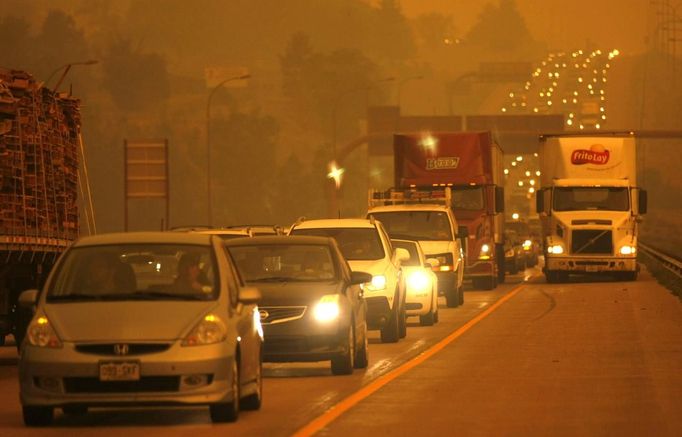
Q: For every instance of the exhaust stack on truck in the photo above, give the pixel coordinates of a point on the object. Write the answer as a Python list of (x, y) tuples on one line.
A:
[(589, 204)]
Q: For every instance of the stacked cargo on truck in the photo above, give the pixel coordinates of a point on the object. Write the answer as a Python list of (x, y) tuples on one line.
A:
[(39, 140)]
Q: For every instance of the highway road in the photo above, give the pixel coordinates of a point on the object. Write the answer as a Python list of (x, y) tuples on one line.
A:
[(529, 358)]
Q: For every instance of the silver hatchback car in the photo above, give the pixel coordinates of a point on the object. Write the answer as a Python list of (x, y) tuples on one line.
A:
[(154, 318)]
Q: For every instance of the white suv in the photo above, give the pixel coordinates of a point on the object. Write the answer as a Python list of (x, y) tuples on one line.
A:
[(435, 228), (367, 248)]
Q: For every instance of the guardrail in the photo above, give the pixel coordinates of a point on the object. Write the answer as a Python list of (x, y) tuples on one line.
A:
[(670, 263)]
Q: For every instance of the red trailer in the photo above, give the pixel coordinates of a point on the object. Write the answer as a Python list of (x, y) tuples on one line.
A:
[(470, 163)]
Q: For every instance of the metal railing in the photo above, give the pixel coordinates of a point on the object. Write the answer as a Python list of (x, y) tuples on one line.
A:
[(670, 263)]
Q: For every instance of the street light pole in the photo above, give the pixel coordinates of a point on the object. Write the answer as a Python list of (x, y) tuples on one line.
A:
[(209, 201), (67, 68)]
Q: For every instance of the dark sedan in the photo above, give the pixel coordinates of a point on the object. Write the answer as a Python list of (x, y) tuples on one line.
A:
[(312, 308)]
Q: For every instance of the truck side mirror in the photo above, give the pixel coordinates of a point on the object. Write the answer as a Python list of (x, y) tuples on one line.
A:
[(499, 199), (642, 204), (462, 231), (540, 201)]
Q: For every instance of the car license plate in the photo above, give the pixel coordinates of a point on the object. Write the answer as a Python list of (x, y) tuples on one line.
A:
[(119, 371), (592, 268)]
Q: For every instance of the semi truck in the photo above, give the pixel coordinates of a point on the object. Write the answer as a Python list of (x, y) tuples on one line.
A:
[(39, 156), (589, 204), (470, 164)]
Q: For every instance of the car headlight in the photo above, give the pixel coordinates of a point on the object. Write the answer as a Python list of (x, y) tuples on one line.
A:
[(418, 281), (445, 262), (378, 282), (327, 309), (555, 249), (41, 334), (527, 245), (628, 250), (485, 252), (211, 329)]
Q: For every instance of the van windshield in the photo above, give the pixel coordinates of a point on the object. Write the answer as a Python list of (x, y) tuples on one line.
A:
[(591, 198), (416, 225)]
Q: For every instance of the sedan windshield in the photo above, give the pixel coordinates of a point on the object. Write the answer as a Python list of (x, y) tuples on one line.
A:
[(416, 225), (283, 262), (135, 272), (595, 198), (355, 243)]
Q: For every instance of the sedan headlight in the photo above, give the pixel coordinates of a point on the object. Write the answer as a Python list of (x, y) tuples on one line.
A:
[(210, 330), (628, 250), (378, 283), (555, 249), (485, 252), (40, 333), (418, 281), (327, 309)]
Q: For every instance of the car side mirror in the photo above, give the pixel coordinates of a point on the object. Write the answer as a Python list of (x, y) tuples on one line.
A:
[(432, 262), (360, 278), (462, 231), (249, 295), (402, 255), (28, 298)]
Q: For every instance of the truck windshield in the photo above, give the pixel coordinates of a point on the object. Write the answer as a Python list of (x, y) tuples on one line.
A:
[(416, 225), (468, 198), (135, 272), (594, 198)]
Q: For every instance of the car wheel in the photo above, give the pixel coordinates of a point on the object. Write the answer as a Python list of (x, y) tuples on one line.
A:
[(255, 400), (427, 319), (228, 411), (37, 416), (75, 410), (390, 333), (342, 364), (403, 322), (362, 355)]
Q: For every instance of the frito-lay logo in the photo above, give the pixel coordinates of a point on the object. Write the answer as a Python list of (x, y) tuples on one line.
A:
[(597, 154), (442, 162)]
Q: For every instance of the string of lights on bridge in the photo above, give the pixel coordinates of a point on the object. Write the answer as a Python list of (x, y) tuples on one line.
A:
[(567, 83)]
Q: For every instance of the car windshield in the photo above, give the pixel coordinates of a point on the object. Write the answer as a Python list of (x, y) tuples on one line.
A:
[(355, 243), (135, 272), (411, 248), (468, 198), (284, 262), (416, 225), (595, 198)]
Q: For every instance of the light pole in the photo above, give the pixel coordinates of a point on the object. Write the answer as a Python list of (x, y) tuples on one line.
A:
[(66, 68), (209, 202), (407, 79)]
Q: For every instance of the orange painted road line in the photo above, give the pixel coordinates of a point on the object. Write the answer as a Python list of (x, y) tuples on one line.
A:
[(337, 410)]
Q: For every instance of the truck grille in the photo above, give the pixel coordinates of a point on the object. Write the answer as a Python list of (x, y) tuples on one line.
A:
[(280, 314), (592, 241)]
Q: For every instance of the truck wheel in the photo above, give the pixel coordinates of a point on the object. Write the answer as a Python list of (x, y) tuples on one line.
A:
[(499, 254), (37, 416), (484, 283), (452, 295)]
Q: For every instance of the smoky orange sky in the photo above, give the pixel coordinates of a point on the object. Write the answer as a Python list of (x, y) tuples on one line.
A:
[(562, 24)]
